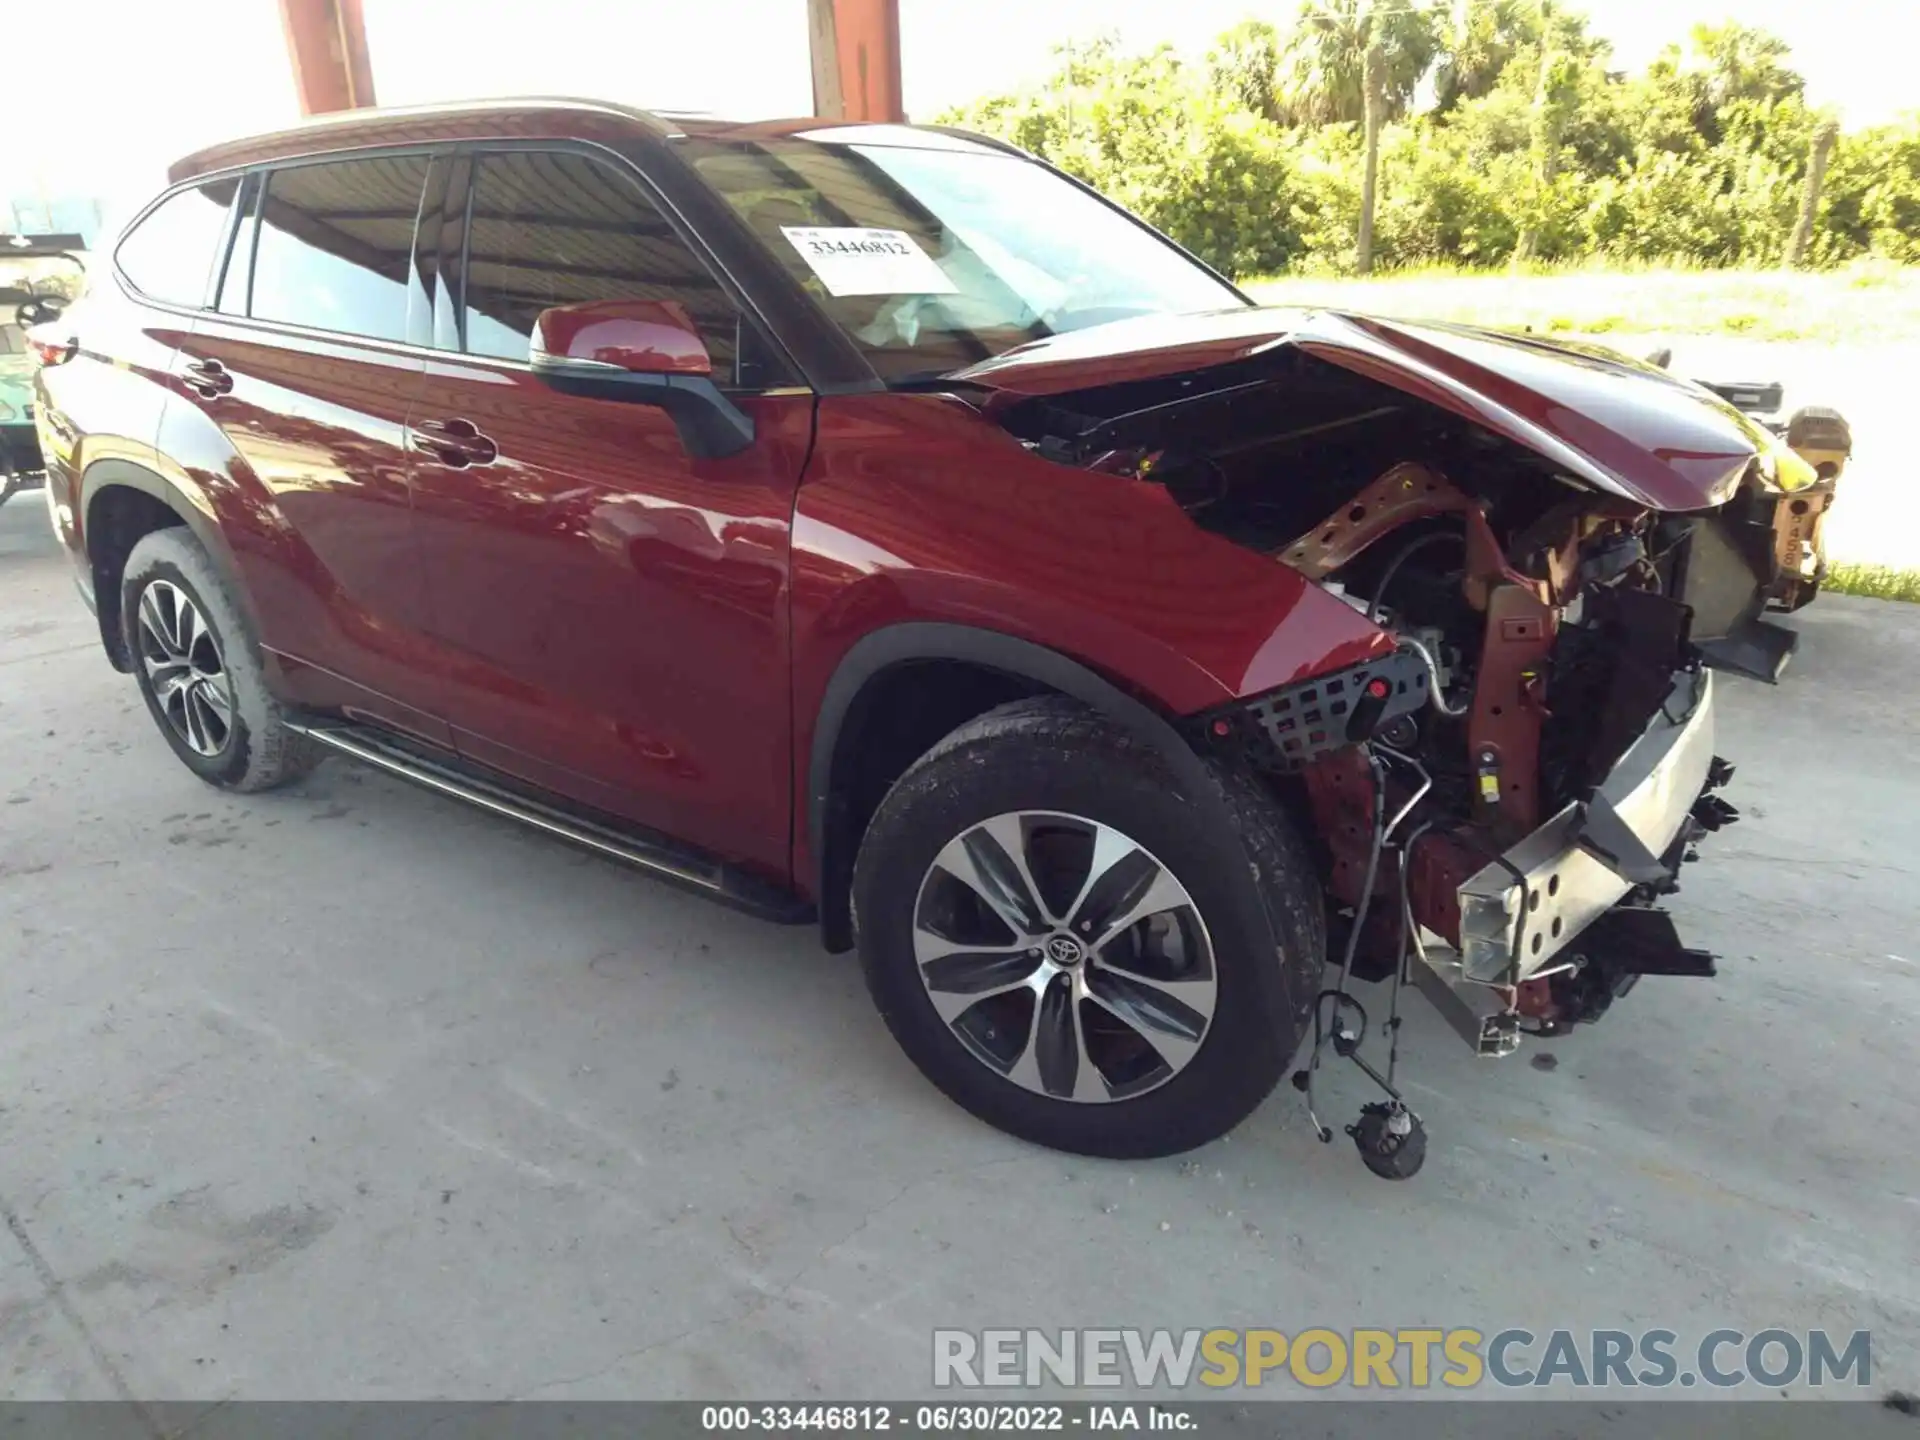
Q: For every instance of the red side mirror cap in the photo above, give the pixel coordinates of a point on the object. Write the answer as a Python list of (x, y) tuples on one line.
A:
[(642, 337)]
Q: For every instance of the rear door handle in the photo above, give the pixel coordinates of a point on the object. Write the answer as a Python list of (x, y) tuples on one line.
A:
[(207, 378), (455, 443)]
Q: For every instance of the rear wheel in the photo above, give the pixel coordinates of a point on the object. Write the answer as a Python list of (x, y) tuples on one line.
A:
[(1076, 951), (200, 671)]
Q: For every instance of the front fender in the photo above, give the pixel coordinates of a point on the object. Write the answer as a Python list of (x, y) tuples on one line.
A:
[(912, 641), (924, 532), (916, 508)]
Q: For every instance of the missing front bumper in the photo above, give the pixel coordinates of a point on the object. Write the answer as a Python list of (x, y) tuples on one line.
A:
[(1548, 916), (1520, 912)]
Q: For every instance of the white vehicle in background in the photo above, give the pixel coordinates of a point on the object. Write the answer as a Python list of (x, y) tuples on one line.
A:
[(39, 276)]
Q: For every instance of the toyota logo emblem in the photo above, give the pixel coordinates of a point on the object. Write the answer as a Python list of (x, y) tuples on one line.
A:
[(1063, 950)]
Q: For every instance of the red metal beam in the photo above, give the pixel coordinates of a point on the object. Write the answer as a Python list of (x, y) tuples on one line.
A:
[(856, 59), (327, 43)]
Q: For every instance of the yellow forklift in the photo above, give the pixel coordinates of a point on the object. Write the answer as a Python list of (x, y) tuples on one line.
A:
[(1817, 445)]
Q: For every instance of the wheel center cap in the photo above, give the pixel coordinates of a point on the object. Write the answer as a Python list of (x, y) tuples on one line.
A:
[(1065, 950)]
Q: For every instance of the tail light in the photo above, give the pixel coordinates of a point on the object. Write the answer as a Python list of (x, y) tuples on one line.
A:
[(50, 348)]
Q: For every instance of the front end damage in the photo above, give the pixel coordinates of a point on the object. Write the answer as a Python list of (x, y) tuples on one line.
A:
[(1505, 797), (1504, 801)]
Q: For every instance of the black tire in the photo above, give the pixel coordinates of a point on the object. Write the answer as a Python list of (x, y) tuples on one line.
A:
[(258, 750), (1240, 861)]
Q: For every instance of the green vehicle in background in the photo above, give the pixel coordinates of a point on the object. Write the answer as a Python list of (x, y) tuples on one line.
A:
[(39, 276)]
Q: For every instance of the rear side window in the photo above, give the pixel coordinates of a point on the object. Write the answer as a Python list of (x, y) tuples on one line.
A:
[(335, 246), (170, 254), (554, 228)]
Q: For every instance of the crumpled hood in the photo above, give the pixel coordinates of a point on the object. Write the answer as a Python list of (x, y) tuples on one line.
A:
[(1618, 424)]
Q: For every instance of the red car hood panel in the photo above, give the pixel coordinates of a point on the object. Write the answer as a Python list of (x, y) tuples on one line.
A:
[(1615, 423)]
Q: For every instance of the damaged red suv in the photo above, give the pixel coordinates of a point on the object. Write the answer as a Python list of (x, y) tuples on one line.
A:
[(872, 526)]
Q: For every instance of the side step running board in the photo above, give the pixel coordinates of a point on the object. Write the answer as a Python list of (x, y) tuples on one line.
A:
[(657, 856)]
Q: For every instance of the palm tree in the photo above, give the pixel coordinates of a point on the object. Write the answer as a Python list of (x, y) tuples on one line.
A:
[(1360, 60), (1245, 65), (1481, 37), (1818, 154)]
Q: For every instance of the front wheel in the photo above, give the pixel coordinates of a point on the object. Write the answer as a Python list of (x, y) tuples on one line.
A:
[(1076, 951)]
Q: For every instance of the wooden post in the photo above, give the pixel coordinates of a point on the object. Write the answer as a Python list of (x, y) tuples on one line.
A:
[(327, 45), (855, 47)]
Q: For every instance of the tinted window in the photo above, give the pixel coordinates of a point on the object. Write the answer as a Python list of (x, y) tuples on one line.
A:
[(169, 255), (335, 245), (556, 229)]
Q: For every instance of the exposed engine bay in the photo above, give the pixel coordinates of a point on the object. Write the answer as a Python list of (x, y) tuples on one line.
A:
[(1503, 797)]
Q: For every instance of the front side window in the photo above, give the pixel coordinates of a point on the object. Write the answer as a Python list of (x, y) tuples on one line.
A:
[(940, 253), (170, 254), (335, 246), (552, 228)]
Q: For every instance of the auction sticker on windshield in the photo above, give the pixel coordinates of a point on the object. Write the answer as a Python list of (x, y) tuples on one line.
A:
[(852, 261)]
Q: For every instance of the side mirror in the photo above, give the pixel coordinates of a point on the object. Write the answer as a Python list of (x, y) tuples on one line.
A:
[(645, 351)]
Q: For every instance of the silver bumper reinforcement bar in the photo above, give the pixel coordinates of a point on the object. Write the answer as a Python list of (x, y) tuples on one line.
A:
[(1515, 929)]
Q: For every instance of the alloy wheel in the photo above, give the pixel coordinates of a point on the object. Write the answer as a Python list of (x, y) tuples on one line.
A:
[(181, 656), (1064, 956)]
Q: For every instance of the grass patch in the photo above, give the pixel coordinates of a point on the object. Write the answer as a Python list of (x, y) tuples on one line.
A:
[(1869, 301), (1882, 582)]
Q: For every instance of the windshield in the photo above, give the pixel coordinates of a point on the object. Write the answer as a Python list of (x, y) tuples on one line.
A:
[(932, 259)]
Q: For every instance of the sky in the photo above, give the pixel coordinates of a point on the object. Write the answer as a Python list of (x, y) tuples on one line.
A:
[(166, 87)]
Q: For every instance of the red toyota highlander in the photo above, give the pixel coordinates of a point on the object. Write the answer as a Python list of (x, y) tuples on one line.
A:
[(873, 526)]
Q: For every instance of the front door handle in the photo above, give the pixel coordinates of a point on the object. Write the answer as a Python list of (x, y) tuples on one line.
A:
[(207, 378), (455, 443)]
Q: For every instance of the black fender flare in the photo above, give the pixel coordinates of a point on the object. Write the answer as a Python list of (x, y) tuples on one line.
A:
[(114, 471), (991, 649)]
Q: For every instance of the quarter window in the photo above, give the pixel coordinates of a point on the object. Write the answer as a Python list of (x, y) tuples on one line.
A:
[(554, 228), (170, 254), (335, 246)]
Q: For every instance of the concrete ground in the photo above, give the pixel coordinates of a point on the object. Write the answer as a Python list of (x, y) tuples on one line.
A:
[(349, 1091)]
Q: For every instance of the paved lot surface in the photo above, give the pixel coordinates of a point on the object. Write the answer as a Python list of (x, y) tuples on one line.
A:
[(349, 1091)]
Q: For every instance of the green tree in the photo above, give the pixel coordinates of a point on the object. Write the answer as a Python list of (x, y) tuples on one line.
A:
[(1301, 148), (1323, 77), (1360, 55), (1689, 90), (1740, 62), (1243, 68), (1148, 131), (1556, 95), (1479, 41)]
